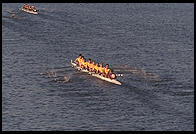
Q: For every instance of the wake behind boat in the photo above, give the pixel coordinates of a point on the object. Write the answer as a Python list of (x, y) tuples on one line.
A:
[(114, 81)]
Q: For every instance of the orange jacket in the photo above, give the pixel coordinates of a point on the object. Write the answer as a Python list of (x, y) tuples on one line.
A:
[(96, 68), (101, 69), (77, 59), (106, 70), (88, 64), (85, 64), (91, 66)]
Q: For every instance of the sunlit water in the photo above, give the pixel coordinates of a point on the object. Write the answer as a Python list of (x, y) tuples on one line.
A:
[(156, 37)]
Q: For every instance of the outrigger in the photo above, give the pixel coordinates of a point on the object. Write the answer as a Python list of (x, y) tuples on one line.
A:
[(114, 81)]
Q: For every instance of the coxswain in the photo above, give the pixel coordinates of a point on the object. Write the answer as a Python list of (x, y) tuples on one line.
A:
[(112, 75)]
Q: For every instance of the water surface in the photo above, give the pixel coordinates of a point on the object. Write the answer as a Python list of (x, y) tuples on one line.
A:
[(156, 37)]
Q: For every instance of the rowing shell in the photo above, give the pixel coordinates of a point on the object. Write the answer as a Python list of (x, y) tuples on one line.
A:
[(32, 12), (95, 75)]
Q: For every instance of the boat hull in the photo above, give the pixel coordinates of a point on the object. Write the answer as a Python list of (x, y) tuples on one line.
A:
[(32, 12), (95, 75)]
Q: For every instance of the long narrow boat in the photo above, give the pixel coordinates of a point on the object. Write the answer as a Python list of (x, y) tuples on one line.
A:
[(94, 74), (28, 11)]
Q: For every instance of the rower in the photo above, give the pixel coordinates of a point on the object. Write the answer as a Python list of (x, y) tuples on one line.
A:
[(25, 6), (81, 61), (107, 71), (84, 64), (101, 69), (92, 66), (33, 8), (96, 70), (28, 7), (88, 64), (77, 60)]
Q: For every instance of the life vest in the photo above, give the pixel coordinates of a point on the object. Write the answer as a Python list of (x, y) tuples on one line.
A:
[(88, 64), (82, 62), (85, 64), (101, 69), (77, 59), (91, 66), (96, 67), (107, 70), (33, 7)]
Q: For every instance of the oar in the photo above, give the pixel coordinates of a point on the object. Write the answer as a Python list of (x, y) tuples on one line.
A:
[(119, 75), (11, 12), (50, 73), (44, 9), (58, 67)]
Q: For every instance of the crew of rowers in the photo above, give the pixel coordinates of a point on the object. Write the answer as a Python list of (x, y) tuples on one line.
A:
[(95, 67), (28, 7)]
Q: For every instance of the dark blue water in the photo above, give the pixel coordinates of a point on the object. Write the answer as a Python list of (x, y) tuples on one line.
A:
[(156, 37)]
